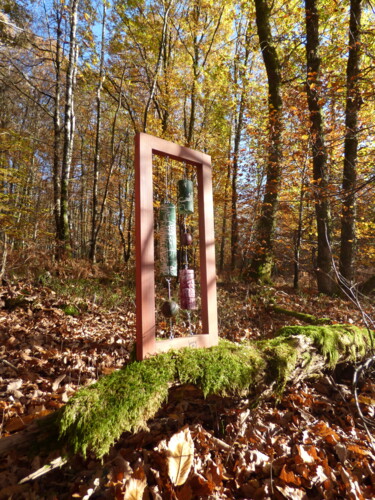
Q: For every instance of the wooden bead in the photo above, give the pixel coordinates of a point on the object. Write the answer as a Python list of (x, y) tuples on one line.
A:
[(186, 239), (169, 309)]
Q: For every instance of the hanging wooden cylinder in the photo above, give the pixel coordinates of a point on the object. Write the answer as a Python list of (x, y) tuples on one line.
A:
[(168, 240), (185, 196), (187, 289)]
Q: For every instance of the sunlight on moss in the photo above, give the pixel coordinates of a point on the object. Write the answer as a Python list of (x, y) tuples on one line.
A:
[(225, 369), (123, 401), (334, 341)]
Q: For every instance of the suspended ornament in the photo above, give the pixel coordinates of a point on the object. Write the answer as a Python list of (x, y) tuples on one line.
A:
[(168, 240), (170, 308), (187, 289), (185, 196), (186, 239)]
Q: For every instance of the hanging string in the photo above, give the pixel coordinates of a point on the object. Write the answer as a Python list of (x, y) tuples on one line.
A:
[(168, 280), (167, 180), (171, 332), (188, 313)]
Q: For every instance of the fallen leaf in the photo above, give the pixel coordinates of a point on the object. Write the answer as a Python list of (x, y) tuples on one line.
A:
[(351, 485), (13, 387), (57, 382), (291, 493), (180, 453), (134, 489), (289, 477), (304, 455)]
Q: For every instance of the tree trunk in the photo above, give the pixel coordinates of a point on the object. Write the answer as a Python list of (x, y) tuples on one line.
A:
[(298, 234), (94, 221), (225, 215), (262, 263), (57, 132), (238, 126), (319, 153), (69, 129), (353, 103)]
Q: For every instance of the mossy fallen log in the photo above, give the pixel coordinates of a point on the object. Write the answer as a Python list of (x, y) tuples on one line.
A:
[(96, 416), (306, 318)]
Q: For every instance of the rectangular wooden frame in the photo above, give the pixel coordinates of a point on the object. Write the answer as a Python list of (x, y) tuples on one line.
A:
[(145, 146)]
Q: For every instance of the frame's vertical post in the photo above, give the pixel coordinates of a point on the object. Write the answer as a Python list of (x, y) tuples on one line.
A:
[(144, 231), (207, 249)]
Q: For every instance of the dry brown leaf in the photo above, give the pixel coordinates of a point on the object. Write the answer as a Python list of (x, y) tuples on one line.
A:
[(57, 382), (292, 493), (13, 387), (319, 475), (351, 485), (201, 487), (304, 455), (342, 452), (180, 453), (134, 489), (255, 459), (289, 477), (326, 432), (357, 450)]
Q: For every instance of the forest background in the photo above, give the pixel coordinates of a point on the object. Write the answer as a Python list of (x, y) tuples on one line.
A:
[(281, 96)]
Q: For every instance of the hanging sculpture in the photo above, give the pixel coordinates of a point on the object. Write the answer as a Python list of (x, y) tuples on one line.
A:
[(168, 240), (168, 250), (187, 289), (186, 275), (148, 147), (185, 196)]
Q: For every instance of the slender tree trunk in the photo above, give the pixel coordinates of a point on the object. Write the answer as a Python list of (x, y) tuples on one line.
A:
[(319, 153), (4, 255), (94, 221), (298, 239), (190, 131), (57, 132), (353, 103), (225, 216), (238, 80), (69, 128), (262, 263)]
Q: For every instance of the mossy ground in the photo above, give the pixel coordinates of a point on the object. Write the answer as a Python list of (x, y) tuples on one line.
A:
[(123, 401)]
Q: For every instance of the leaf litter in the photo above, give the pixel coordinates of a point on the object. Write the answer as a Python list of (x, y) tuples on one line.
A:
[(309, 443)]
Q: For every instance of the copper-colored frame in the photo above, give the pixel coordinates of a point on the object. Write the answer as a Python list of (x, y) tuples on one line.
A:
[(145, 146)]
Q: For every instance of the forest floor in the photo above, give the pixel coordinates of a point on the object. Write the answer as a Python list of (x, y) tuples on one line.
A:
[(59, 335)]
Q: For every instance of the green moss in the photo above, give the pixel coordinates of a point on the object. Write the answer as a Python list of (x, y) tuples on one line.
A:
[(264, 271), (334, 341), (107, 293), (123, 401), (307, 318), (281, 357), (71, 310), (225, 369)]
